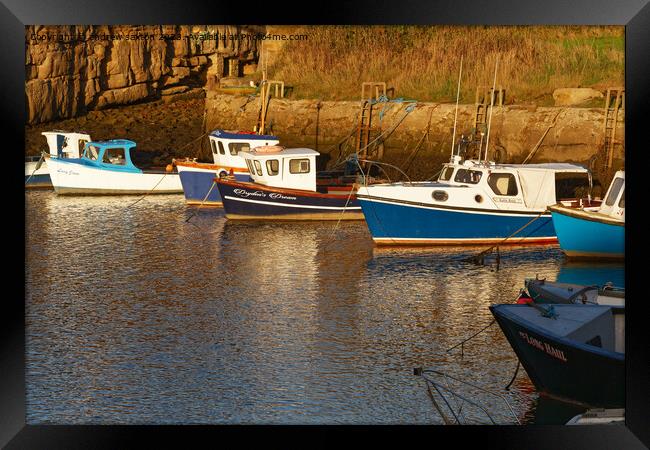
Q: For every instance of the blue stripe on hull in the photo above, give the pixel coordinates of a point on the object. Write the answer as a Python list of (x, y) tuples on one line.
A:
[(38, 181), (197, 184), (583, 238), (398, 221), (590, 377), (249, 202)]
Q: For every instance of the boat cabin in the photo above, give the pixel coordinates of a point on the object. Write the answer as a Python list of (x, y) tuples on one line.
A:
[(614, 203), (292, 168), (63, 144), (513, 186), (226, 145), (114, 154)]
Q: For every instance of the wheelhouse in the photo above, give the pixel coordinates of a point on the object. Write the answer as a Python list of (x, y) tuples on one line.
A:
[(514, 186), (293, 168), (226, 146), (614, 202), (63, 144), (112, 155)]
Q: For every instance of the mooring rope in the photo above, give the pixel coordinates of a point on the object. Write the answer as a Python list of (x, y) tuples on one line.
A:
[(148, 192), (38, 166), (214, 183), (478, 258)]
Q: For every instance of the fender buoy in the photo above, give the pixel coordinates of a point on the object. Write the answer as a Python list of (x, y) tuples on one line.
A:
[(169, 168), (524, 299)]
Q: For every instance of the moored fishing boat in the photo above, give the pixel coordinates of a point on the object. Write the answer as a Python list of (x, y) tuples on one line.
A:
[(285, 186), (473, 202), (574, 353), (594, 232), (197, 178), (106, 168), (61, 144), (542, 291)]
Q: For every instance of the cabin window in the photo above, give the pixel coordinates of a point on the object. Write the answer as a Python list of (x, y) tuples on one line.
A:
[(503, 183), (236, 147), (214, 147), (258, 167), (222, 151), (272, 166), (82, 144), (114, 156), (571, 185), (468, 176), (299, 165), (614, 191), (446, 173), (92, 153), (250, 166), (621, 202)]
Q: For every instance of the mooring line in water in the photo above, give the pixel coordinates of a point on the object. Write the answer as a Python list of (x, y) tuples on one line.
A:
[(330, 239), (214, 183), (147, 193), (478, 259), (38, 166), (462, 343), (507, 388)]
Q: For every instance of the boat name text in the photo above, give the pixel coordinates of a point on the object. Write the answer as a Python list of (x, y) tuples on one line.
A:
[(543, 346)]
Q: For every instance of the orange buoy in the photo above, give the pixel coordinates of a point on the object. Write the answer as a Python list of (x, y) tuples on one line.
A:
[(169, 168)]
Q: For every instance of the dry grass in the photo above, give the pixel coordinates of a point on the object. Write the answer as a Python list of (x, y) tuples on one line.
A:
[(422, 62)]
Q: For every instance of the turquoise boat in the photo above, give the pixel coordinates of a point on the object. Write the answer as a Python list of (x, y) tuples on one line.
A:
[(594, 233)]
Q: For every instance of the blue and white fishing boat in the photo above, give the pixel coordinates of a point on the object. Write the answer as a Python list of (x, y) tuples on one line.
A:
[(61, 144), (285, 186), (106, 168), (571, 352), (473, 202), (197, 178), (594, 232)]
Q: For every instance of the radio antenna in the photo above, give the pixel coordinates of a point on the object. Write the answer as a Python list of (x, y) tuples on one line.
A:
[(453, 138), (494, 83)]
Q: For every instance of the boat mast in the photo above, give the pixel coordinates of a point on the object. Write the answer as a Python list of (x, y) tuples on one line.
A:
[(453, 138), (494, 84)]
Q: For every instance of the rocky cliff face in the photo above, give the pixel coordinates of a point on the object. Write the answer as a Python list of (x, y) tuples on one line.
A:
[(73, 69)]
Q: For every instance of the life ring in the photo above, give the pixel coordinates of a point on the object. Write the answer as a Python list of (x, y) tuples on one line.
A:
[(269, 149)]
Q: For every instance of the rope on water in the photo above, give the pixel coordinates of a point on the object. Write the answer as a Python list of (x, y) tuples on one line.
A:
[(147, 193), (214, 183), (478, 259)]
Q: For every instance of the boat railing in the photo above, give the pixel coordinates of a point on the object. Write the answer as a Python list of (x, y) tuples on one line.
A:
[(380, 164), (448, 401)]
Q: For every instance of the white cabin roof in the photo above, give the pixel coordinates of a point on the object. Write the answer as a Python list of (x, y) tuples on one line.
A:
[(285, 152), (554, 167)]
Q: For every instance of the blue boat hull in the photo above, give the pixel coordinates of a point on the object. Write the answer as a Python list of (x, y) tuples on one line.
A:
[(38, 181), (243, 200), (564, 370), (582, 238), (403, 224), (196, 186)]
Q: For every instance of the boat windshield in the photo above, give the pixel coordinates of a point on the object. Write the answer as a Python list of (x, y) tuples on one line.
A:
[(617, 184), (571, 185), (92, 152), (468, 176), (446, 173)]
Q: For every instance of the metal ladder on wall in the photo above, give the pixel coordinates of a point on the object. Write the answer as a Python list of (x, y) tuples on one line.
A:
[(482, 108), (617, 97), (368, 88)]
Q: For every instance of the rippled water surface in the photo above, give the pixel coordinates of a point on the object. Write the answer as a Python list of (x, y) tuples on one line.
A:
[(136, 315)]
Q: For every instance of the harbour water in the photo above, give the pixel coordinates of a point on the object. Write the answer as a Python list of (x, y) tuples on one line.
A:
[(137, 315)]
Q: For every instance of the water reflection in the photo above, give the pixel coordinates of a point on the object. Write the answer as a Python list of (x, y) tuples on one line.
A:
[(160, 313)]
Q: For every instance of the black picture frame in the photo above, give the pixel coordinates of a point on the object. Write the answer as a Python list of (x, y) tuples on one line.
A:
[(634, 14)]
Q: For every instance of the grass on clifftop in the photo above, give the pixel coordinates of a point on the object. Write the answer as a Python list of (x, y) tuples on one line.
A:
[(422, 62)]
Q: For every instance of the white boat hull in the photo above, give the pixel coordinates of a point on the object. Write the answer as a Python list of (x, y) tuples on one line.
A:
[(79, 179)]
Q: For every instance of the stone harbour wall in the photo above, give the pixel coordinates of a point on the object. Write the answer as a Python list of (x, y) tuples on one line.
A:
[(74, 69)]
